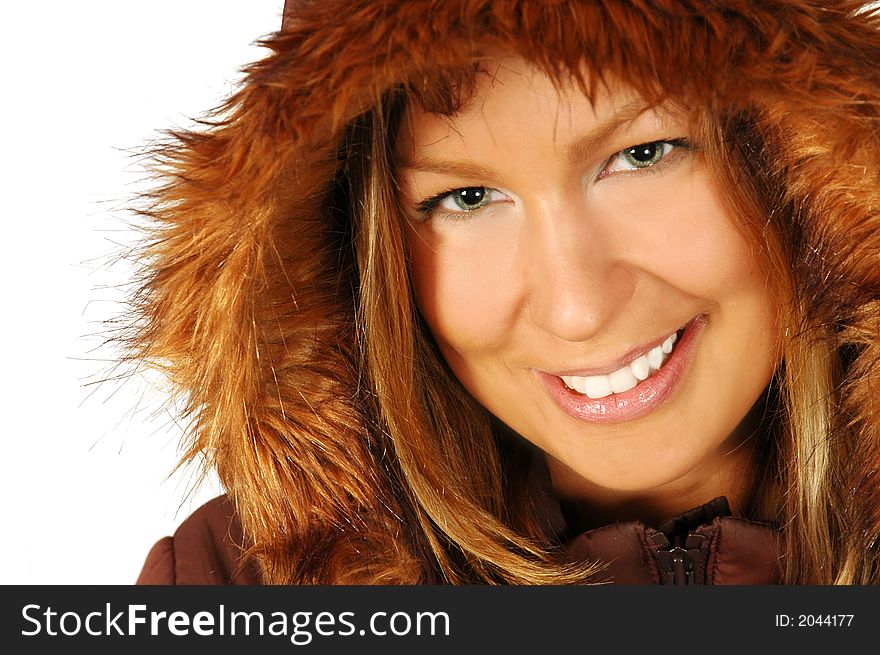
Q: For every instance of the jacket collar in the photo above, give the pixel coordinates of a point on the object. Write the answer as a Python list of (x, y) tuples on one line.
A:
[(704, 545)]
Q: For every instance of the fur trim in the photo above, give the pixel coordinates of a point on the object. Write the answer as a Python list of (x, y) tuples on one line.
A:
[(247, 300)]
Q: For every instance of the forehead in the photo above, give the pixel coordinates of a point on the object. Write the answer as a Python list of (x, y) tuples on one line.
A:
[(513, 100)]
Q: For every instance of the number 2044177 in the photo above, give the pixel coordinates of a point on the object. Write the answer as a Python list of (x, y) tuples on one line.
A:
[(814, 620)]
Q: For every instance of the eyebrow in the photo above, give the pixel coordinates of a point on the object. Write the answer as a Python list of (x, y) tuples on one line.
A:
[(580, 149), (586, 145)]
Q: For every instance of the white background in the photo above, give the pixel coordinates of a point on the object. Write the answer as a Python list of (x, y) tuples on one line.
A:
[(84, 468)]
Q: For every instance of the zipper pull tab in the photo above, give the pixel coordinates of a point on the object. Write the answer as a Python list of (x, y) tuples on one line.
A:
[(676, 564)]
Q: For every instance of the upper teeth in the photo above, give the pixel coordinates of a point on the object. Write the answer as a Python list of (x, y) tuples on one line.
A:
[(624, 378)]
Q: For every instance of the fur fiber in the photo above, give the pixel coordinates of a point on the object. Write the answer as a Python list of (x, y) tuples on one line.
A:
[(249, 282)]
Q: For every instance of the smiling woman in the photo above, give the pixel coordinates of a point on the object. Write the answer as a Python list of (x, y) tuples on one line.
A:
[(525, 294), (556, 281)]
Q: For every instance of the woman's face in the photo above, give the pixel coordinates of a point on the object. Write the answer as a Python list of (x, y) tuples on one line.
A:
[(558, 248)]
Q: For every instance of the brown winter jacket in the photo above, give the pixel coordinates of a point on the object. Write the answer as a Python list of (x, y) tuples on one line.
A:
[(703, 546)]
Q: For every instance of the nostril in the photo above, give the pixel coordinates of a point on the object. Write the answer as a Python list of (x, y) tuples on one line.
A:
[(574, 304)]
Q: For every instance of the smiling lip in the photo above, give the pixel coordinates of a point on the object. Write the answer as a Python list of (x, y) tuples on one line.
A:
[(638, 401)]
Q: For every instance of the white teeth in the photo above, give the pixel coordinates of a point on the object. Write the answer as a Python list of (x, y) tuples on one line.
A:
[(655, 357), (624, 378), (596, 386), (641, 368), (578, 384)]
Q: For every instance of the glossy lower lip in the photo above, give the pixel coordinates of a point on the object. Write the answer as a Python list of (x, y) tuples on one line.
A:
[(642, 399)]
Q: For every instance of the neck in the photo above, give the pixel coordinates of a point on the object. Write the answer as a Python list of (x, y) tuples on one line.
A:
[(730, 473), (595, 506)]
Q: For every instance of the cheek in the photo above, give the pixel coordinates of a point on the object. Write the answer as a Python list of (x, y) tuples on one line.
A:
[(689, 241), (465, 284)]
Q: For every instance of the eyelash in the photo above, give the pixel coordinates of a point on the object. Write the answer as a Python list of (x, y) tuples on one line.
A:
[(429, 206)]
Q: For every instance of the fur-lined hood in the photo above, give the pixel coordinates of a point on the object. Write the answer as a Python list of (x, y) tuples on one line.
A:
[(249, 294)]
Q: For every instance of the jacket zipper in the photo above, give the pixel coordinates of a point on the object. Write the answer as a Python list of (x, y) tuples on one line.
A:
[(676, 563)]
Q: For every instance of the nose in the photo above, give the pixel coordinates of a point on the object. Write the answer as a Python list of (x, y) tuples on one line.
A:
[(576, 282)]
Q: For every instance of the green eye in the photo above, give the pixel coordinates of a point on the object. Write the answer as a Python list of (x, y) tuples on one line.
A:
[(460, 202), (645, 154), (467, 199)]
